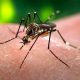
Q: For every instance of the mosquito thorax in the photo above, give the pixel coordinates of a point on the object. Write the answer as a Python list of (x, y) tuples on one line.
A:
[(35, 24)]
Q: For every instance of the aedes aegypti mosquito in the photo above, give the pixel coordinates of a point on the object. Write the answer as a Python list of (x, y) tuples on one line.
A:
[(34, 30)]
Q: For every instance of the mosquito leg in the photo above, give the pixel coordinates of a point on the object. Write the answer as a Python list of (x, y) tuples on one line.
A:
[(27, 20), (21, 46), (36, 15), (61, 36), (29, 16), (15, 35), (59, 59), (29, 51), (52, 52), (49, 39), (64, 40), (19, 27), (7, 41)]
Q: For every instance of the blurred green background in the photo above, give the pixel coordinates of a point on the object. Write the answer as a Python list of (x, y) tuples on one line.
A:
[(12, 11)]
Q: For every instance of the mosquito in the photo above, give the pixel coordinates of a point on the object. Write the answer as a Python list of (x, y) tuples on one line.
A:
[(34, 30)]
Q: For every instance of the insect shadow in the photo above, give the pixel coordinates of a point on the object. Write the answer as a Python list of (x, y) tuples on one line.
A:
[(34, 30)]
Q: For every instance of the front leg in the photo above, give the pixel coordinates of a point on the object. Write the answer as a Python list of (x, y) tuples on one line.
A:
[(27, 21), (36, 15), (16, 33), (29, 50)]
